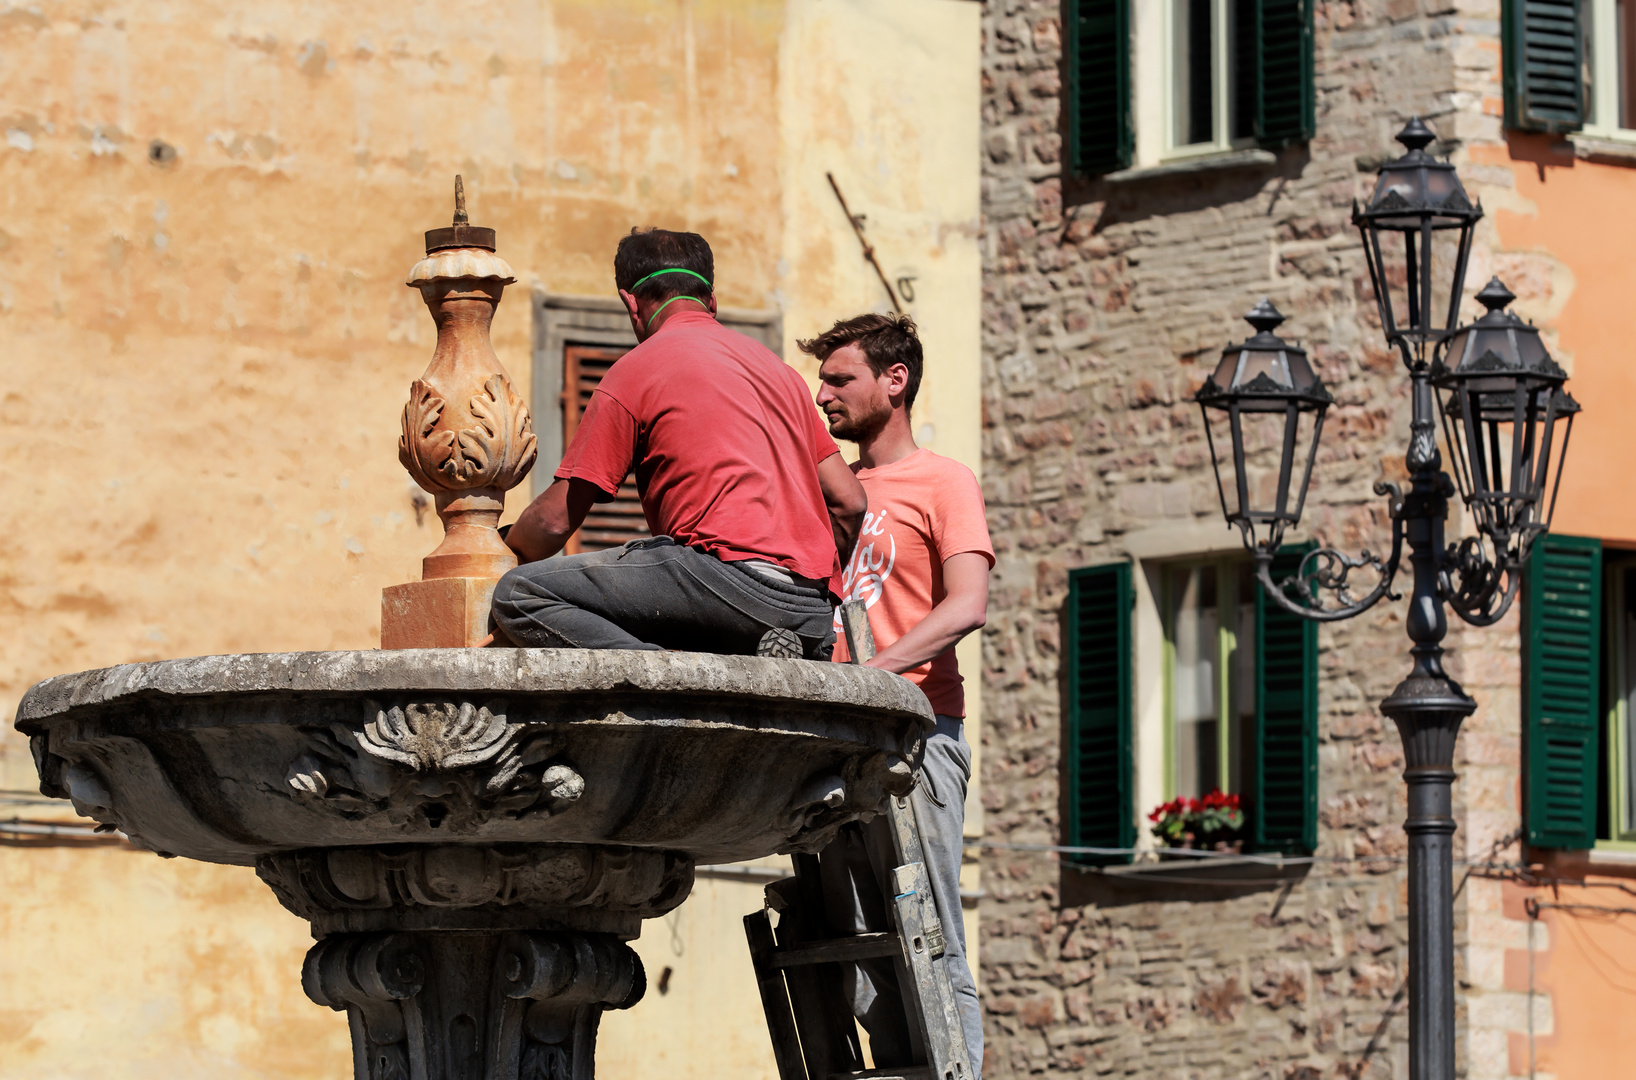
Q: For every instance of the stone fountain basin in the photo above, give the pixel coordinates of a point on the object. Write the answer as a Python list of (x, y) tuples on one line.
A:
[(233, 759)]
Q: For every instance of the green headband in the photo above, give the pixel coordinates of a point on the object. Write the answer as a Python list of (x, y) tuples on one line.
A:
[(672, 270), (667, 303)]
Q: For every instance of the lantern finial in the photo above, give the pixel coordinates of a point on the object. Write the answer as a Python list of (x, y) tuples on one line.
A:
[(1495, 296), (1416, 135), (1264, 317)]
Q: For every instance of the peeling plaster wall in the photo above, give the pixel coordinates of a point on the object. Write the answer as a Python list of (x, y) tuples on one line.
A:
[(206, 213)]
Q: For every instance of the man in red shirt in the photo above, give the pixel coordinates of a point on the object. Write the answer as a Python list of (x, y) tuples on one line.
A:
[(749, 502), (921, 566)]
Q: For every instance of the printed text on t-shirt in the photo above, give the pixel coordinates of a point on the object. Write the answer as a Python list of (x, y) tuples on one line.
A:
[(871, 564)]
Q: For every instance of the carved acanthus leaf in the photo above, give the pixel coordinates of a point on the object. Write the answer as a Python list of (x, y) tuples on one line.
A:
[(422, 448), (501, 449), (496, 452)]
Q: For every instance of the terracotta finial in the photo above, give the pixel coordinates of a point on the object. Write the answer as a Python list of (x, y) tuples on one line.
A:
[(467, 439)]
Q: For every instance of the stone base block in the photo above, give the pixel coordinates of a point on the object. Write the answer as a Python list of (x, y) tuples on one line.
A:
[(440, 613)]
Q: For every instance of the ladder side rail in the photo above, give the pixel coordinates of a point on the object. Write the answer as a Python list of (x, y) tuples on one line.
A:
[(775, 1001), (823, 1015), (956, 1065)]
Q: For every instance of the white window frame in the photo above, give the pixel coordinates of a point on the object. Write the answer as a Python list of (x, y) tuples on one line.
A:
[(1153, 81), (1151, 550), (1603, 53), (1228, 600)]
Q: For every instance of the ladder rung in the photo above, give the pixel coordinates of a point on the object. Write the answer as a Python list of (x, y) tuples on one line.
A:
[(838, 950), (909, 1072)]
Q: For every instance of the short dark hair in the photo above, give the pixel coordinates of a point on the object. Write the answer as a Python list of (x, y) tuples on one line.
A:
[(647, 250), (884, 339)]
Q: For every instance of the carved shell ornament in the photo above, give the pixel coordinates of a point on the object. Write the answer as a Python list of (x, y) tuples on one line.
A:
[(431, 761)]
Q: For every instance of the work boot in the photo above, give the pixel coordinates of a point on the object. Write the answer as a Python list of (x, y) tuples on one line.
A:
[(780, 644)]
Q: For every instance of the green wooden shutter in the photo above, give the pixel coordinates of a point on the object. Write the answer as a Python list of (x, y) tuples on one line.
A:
[(1283, 810), (1100, 138), (1099, 711), (1285, 101), (1561, 663), (1543, 56)]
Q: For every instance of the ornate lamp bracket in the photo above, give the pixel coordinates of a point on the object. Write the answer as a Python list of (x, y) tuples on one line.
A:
[(1327, 570), (1478, 588)]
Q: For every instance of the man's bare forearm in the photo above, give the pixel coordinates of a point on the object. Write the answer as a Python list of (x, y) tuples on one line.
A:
[(846, 501), (962, 610), (846, 529), (546, 523)]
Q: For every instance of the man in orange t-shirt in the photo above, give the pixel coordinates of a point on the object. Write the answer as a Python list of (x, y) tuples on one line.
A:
[(921, 567)]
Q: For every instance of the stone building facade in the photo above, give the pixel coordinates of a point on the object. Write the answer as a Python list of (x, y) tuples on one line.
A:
[(1107, 300)]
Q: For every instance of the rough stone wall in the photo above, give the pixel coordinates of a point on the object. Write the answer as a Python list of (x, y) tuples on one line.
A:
[(1104, 306)]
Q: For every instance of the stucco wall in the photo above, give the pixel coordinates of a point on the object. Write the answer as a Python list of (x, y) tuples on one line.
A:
[(209, 211)]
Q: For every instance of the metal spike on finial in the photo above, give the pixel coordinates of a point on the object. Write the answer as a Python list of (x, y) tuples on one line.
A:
[(460, 217)]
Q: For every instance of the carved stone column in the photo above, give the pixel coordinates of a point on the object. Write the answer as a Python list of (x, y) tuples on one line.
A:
[(455, 962), (467, 439)]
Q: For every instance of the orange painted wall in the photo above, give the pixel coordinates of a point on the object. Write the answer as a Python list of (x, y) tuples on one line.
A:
[(1582, 216), (1585, 968), (1564, 244)]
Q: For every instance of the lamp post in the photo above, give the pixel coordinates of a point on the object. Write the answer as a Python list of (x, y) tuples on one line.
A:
[(1502, 399)]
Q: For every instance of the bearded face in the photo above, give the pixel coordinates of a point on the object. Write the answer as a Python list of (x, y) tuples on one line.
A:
[(853, 397)]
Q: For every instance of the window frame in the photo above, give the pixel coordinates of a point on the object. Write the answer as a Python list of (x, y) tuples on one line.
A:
[(1275, 754), (1602, 54), (1226, 567), (1223, 87), (1616, 742)]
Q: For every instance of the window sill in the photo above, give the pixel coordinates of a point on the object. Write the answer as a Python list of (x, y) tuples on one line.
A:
[(1231, 159), (1615, 862), (1608, 149), (1217, 871)]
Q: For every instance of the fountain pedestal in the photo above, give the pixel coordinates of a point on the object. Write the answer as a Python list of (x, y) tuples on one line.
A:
[(475, 833)]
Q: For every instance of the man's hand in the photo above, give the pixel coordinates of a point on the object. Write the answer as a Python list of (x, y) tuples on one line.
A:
[(963, 609), (846, 501), (548, 521)]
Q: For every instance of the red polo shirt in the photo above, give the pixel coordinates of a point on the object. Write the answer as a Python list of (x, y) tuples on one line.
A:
[(724, 439)]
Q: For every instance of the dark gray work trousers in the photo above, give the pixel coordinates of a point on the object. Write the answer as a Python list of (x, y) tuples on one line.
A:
[(656, 594)]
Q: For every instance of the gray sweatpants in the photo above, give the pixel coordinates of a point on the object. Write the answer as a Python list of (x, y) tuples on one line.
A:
[(654, 593), (856, 868)]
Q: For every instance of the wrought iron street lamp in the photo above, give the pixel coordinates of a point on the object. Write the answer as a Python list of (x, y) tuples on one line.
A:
[(1502, 403), (1264, 392)]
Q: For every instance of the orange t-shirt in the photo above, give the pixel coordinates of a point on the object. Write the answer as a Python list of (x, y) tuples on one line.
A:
[(922, 510)]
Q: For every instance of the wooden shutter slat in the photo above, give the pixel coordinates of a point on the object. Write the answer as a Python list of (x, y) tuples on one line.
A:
[(1286, 103), (1100, 136), (1543, 49), (1283, 789), (610, 524), (1099, 766), (1561, 638)]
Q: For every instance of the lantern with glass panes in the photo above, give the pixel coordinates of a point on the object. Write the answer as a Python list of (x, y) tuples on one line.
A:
[(1502, 403), (1417, 219), (1506, 418)]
